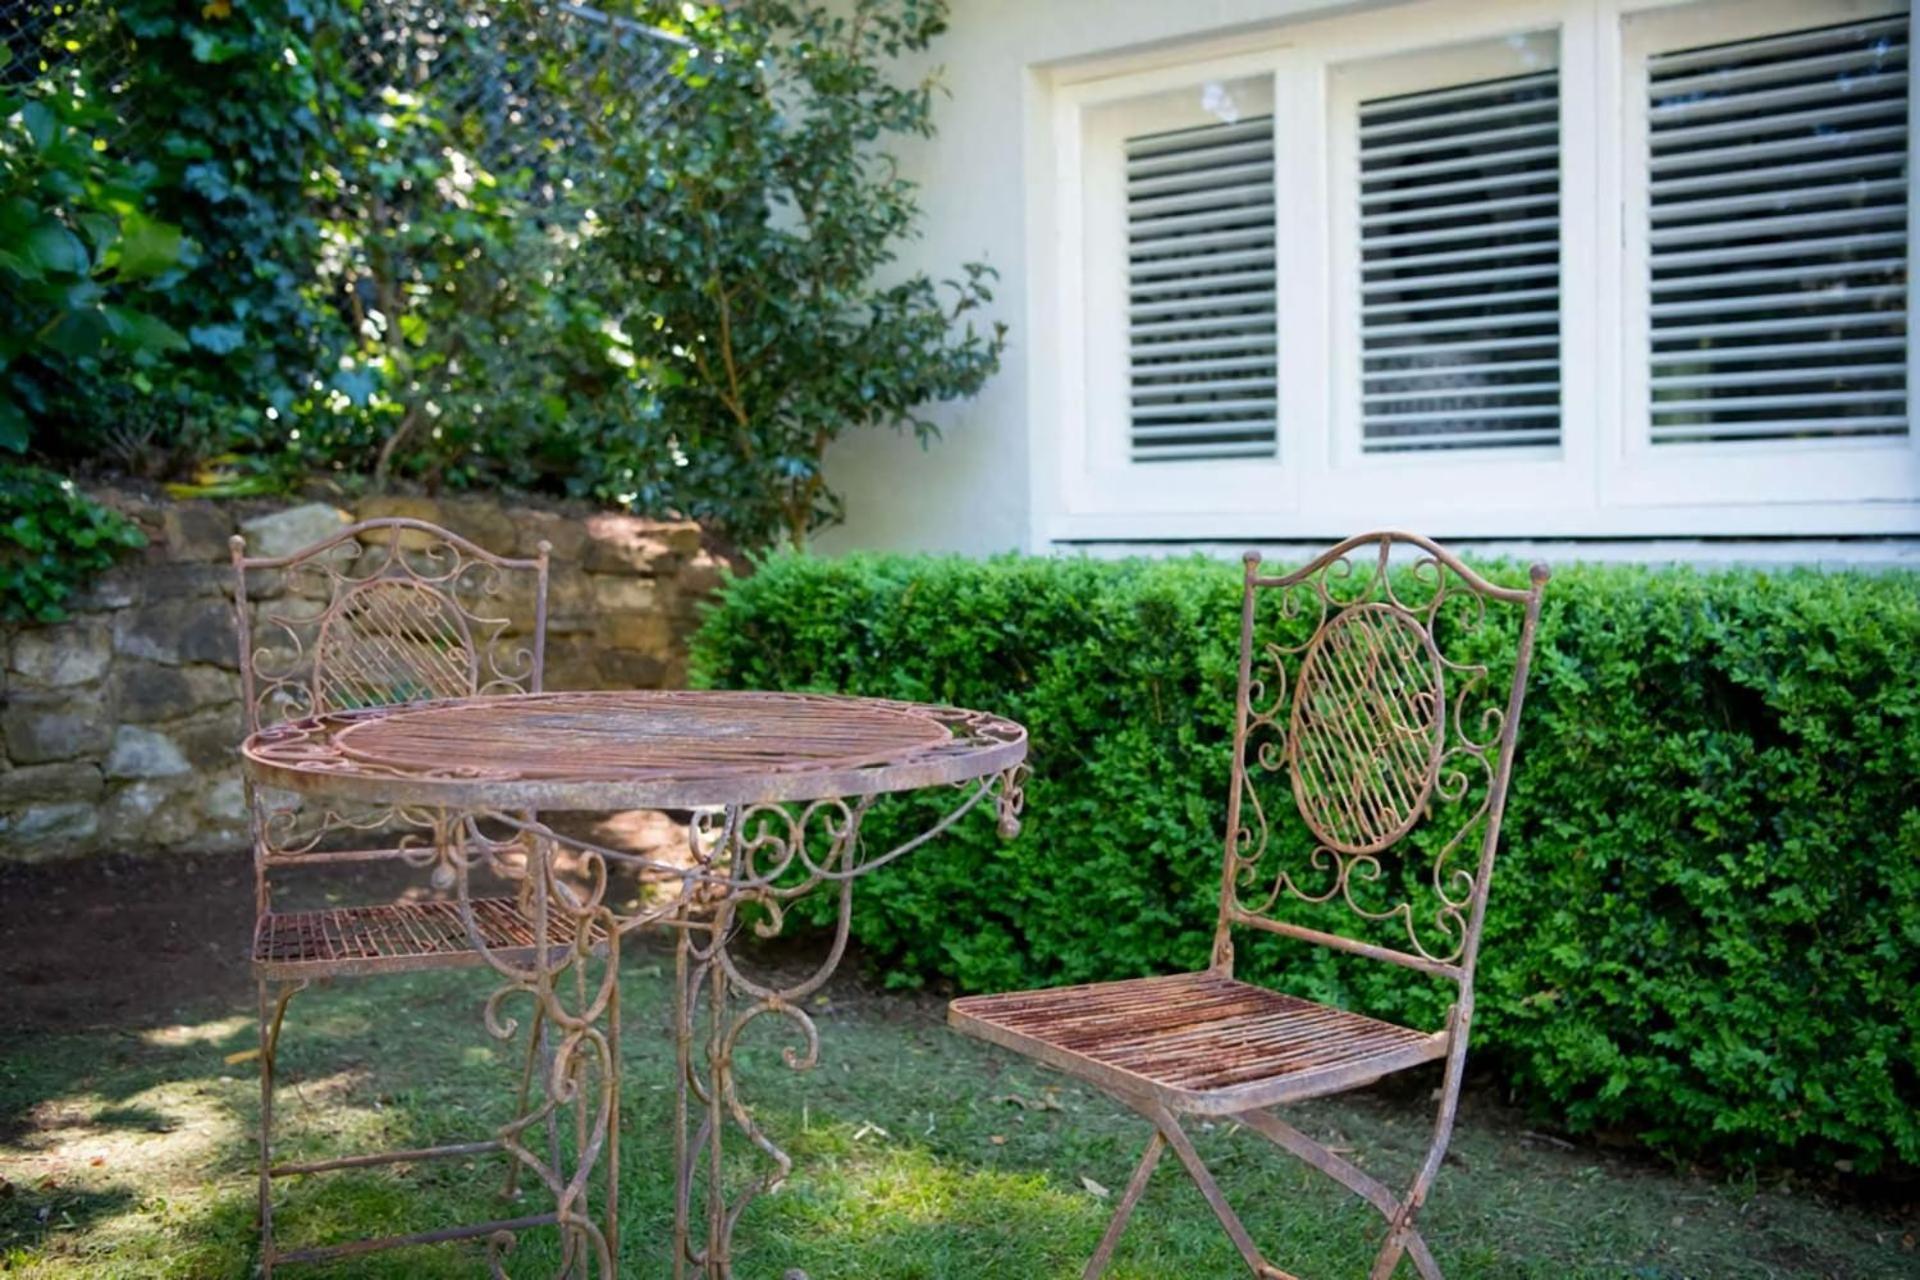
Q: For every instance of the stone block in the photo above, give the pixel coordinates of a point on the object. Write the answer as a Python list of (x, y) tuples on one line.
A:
[(45, 783), (567, 536), (226, 802), (145, 692), (144, 753), (64, 823), (702, 574), (391, 506), (482, 523), (628, 544), (186, 580), (616, 594), (211, 740), (176, 631), (196, 531), (59, 656), (151, 812), (648, 633), (622, 669), (41, 728), (116, 588), (281, 533)]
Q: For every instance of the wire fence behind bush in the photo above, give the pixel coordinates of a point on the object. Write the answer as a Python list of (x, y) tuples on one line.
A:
[(523, 89)]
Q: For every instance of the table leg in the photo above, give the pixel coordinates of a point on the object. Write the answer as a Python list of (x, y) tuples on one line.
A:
[(571, 929)]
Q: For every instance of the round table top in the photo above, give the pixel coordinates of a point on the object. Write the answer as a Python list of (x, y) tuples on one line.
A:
[(677, 749)]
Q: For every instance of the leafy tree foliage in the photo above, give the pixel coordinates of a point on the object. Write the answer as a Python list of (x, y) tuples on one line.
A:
[(760, 241)]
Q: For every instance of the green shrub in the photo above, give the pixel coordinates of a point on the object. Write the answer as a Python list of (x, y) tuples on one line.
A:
[(53, 539), (1705, 925)]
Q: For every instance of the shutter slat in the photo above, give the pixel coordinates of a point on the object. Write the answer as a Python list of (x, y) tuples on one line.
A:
[(1747, 403), (1811, 247), (1876, 189), (1502, 319), (1794, 324), (1435, 210), (1785, 96), (1202, 178), (1710, 56), (1751, 228), (1467, 438), (1201, 274), (1175, 453), (1225, 283), (1502, 343), (1748, 154), (1203, 387), (1493, 366), (1524, 155), (1156, 270), (1454, 279), (1779, 175), (1433, 190), (1858, 425), (1485, 253), (1244, 300), (1479, 299), (1490, 391), (1246, 428), (1826, 301), (1472, 115), (1775, 301), (1724, 78), (1842, 349), (1429, 100), (1798, 274), (1374, 157)]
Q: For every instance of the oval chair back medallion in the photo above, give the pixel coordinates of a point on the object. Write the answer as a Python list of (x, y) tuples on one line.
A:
[(1368, 724), (390, 640)]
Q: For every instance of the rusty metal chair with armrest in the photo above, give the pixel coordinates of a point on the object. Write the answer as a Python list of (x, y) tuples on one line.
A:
[(386, 611), (1384, 696)]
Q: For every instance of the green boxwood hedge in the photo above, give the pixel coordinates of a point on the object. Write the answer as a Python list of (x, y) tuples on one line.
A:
[(1704, 929)]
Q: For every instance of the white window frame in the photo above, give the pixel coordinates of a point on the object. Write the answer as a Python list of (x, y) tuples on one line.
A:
[(1604, 479)]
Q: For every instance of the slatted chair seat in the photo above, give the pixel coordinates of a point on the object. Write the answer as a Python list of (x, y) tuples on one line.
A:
[(1199, 1042), (398, 938)]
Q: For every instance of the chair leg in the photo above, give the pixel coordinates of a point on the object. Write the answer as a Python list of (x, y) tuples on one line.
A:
[(273, 1014), (535, 1037), (1350, 1176), (1401, 1236), (1097, 1265), (1216, 1200)]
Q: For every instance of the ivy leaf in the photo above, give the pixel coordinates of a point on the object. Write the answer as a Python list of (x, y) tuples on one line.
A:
[(41, 126), (13, 426), (54, 250), (221, 339), (137, 331), (148, 247)]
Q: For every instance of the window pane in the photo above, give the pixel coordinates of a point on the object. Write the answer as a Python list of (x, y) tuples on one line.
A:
[(1777, 235), (1200, 284), (1459, 238)]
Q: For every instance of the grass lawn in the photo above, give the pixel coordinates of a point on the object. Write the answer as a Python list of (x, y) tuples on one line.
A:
[(126, 1132)]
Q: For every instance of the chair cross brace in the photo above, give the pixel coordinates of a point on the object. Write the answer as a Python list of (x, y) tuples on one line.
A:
[(1402, 1237)]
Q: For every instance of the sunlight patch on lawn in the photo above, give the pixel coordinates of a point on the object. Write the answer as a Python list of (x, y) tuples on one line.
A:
[(183, 1035)]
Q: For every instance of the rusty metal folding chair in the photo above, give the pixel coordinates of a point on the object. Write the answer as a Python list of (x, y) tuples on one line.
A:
[(386, 611), (1388, 697)]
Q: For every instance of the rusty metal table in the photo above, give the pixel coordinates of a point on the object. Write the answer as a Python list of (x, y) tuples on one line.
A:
[(778, 786)]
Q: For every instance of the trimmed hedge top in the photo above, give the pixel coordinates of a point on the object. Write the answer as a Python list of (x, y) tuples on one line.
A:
[(1704, 927)]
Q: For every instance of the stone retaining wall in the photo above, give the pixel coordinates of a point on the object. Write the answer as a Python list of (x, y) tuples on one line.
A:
[(119, 725)]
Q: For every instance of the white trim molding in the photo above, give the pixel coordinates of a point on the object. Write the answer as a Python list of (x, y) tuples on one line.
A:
[(1487, 75)]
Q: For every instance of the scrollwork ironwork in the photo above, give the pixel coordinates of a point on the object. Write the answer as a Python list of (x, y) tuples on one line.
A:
[(1363, 689)]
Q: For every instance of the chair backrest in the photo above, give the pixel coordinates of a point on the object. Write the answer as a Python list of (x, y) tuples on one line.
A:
[(1382, 682), (386, 611)]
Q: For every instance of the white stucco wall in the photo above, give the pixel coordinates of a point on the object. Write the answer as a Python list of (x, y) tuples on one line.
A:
[(972, 491)]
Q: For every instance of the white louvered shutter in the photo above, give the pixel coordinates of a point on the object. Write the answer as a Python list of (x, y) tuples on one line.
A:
[(1200, 292), (1459, 240), (1777, 235)]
